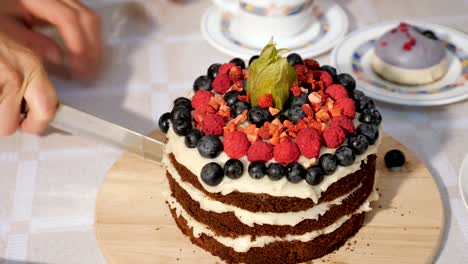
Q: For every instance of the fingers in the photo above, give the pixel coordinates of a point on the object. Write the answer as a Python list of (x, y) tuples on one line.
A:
[(42, 46), (10, 85), (78, 27), (42, 101), (22, 76), (91, 24)]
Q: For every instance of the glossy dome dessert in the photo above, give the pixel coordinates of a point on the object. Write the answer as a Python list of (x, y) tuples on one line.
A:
[(274, 163), (409, 56)]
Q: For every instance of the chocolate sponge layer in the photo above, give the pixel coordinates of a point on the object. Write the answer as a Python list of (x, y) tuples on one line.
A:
[(256, 202), (276, 252)]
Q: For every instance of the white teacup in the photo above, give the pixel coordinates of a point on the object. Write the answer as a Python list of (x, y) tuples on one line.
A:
[(256, 21)]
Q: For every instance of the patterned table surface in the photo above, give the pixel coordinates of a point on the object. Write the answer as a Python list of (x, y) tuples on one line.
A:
[(48, 184)]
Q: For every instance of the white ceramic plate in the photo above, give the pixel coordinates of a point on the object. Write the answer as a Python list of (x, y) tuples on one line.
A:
[(355, 52), (323, 34), (463, 181)]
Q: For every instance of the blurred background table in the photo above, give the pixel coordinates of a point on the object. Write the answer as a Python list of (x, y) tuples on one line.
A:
[(48, 184)]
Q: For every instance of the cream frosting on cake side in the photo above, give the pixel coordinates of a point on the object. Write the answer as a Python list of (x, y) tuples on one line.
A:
[(250, 218), (246, 242)]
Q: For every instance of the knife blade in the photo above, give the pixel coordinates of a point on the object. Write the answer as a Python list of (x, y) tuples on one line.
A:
[(83, 124)]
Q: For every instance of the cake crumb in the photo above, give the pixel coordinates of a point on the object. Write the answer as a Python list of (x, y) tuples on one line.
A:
[(377, 189), (177, 259), (380, 206), (402, 214), (368, 244), (355, 242), (180, 249)]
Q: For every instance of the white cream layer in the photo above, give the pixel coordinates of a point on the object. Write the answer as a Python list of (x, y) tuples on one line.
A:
[(251, 218), (244, 243), (409, 76), (192, 160)]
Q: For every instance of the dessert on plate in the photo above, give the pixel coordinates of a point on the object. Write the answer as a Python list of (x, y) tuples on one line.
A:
[(410, 56), (274, 163)]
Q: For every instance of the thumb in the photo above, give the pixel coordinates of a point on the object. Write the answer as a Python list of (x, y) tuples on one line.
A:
[(40, 97)]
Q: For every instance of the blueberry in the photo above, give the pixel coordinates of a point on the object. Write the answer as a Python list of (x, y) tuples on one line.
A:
[(238, 108), (357, 95), (295, 114), (314, 175), (295, 172), (358, 143), (299, 100), (180, 112), (231, 98), (213, 70), (276, 171), (364, 103), (394, 159), (294, 59), (253, 59), (202, 83), (212, 174), (182, 101), (347, 81), (259, 116), (371, 131), (345, 156), (371, 116), (192, 137), (164, 122), (233, 168), (257, 169), (238, 62), (282, 117), (331, 70), (181, 126), (209, 146), (430, 34), (328, 163)]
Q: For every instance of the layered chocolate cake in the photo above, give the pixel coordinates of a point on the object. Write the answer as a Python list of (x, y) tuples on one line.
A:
[(409, 55), (274, 163)]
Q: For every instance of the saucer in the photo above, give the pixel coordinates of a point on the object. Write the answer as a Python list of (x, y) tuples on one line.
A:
[(463, 181), (354, 54), (327, 30)]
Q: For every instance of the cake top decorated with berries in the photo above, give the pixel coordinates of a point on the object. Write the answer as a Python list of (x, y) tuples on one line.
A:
[(285, 126), (409, 47)]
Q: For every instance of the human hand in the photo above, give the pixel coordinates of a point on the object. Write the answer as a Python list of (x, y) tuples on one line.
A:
[(79, 27), (23, 76)]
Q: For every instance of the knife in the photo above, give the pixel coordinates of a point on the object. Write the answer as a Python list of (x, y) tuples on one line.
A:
[(83, 124)]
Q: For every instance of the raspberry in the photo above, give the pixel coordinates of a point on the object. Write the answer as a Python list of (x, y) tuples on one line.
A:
[(311, 64), (221, 83), (224, 69), (200, 113), (236, 144), (235, 74), (348, 106), (201, 98), (296, 91), (260, 151), (213, 124), (265, 101), (286, 152), (344, 122), (309, 142), (326, 78), (333, 136), (336, 91)]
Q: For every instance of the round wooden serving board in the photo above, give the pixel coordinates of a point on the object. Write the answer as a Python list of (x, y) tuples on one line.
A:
[(133, 223)]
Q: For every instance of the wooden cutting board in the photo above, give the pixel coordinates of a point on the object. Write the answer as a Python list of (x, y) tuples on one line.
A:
[(133, 223)]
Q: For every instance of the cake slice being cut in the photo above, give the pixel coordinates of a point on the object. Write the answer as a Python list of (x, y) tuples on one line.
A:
[(274, 163)]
